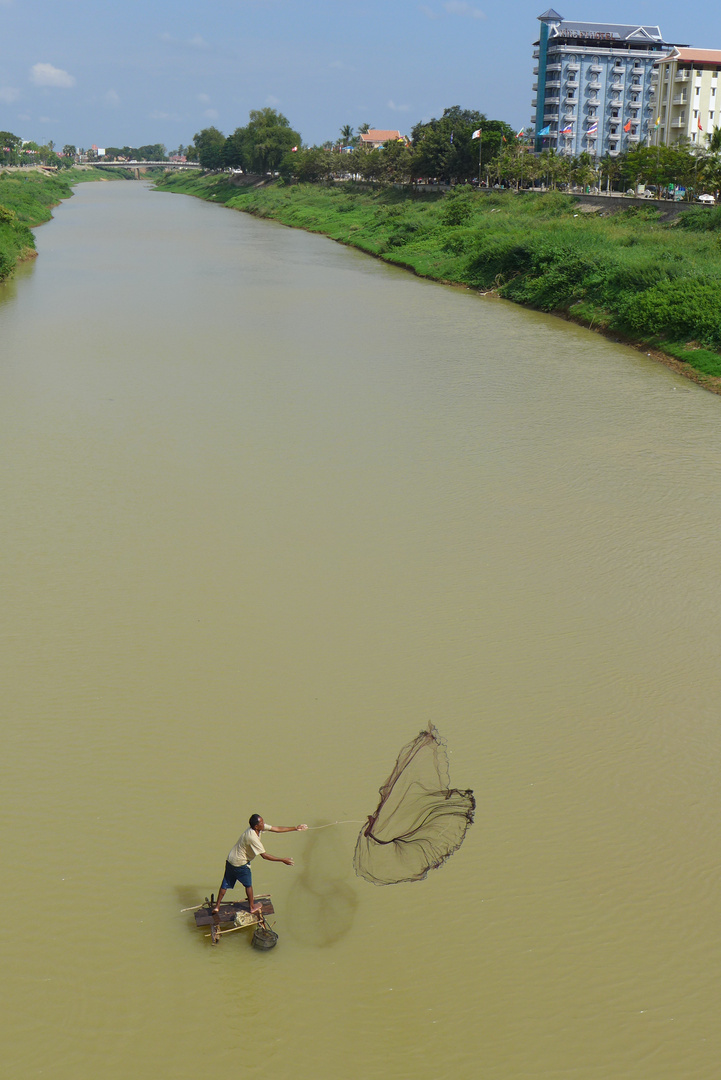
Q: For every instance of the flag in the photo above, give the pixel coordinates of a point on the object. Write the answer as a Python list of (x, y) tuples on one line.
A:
[(293, 149), (503, 138), (593, 128), (520, 133), (567, 130), (545, 131), (477, 134), (627, 127), (700, 125), (658, 121)]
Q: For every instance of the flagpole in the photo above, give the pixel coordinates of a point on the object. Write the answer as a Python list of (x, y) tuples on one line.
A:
[(480, 151)]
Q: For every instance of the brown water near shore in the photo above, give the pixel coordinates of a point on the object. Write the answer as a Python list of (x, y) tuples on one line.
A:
[(270, 506)]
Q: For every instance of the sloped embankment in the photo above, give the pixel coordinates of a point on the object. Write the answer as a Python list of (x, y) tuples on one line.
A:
[(652, 283)]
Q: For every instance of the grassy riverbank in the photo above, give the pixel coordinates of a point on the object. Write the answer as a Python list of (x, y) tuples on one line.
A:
[(626, 273), (27, 197)]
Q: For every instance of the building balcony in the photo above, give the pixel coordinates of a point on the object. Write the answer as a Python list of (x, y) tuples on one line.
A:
[(534, 102), (614, 137), (534, 86), (595, 69), (633, 138), (533, 118), (593, 101), (535, 70), (550, 118), (617, 84), (569, 115), (555, 100), (535, 54), (680, 99), (574, 67), (594, 85), (682, 76), (553, 67), (553, 84), (678, 122)]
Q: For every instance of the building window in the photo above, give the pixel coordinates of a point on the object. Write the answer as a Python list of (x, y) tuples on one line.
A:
[(710, 116)]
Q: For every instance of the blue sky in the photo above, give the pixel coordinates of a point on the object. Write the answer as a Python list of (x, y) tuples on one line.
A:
[(117, 72)]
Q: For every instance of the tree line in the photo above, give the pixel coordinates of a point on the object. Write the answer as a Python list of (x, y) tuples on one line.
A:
[(444, 149)]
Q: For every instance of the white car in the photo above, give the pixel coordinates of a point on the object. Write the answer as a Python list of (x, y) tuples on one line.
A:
[(708, 199)]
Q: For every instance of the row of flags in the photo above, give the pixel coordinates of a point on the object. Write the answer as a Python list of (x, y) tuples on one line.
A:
[(477, 134)]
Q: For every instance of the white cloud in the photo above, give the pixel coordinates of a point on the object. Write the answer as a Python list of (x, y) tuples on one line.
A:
[(112, 98), (212, 114), (8, 94), (204, 99), (47, 75), (398, 108), (194, 42), (460, 7)]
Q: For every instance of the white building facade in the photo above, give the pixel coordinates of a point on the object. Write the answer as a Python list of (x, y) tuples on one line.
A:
[(593, 91), (686, 103)]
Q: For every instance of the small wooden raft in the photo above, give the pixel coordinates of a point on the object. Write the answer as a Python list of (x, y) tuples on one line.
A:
[(235, 913)]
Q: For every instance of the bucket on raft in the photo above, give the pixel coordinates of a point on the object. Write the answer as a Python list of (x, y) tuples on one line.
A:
[(264, 937)]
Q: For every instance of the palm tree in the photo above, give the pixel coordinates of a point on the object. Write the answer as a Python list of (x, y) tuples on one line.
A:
[(714, 141), (346, 134)]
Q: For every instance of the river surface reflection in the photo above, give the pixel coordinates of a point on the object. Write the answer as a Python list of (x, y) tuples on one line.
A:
[(270, 506)]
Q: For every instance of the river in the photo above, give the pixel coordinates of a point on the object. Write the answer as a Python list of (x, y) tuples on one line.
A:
[(270, 507)]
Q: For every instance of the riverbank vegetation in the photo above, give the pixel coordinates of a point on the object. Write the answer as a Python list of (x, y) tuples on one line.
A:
[(626, 273), (26, 200)]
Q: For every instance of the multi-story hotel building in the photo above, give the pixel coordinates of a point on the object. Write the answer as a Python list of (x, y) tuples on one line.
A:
[(594, 85), (687, 103)]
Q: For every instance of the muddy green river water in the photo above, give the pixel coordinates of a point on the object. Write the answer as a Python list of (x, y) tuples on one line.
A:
[(268, 508)]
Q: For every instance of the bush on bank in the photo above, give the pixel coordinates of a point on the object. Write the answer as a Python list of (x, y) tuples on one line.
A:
[(627, 272)]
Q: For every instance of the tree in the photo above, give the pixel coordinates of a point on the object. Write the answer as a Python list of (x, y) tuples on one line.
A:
[(315, 165), (209, 144), (268, 137), (69, 151), (445, 148), (346, 134), (10, 146), (714, 141)]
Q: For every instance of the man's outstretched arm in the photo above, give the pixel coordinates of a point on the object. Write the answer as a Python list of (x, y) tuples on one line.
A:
[(286, 828)]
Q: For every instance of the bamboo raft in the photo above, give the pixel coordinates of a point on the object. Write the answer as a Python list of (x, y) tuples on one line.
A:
[(234, 915)]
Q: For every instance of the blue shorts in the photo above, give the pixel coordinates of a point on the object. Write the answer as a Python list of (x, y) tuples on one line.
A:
[(237, 873)]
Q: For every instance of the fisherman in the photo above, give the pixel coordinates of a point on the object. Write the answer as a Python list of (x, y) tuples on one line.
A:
[(237, 866)]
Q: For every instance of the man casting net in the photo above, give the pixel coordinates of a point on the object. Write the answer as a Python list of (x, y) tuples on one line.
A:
[(420, 819)]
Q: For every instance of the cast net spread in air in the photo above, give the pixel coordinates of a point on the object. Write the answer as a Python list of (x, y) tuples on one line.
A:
[(420, 819)]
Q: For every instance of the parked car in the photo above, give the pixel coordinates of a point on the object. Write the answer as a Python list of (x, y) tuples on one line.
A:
[(709, 200)]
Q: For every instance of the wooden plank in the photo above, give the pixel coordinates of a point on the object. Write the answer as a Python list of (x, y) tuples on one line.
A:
[(205, 917)]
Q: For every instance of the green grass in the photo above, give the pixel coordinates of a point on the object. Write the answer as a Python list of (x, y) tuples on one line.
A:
[(26, 200), (626, 273)]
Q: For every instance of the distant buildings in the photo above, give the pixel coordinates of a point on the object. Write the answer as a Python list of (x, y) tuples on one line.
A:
[(686, 101), (374, 138), (594, 88)]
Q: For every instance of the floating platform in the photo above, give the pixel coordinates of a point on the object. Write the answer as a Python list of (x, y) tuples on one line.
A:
[(234, 915)]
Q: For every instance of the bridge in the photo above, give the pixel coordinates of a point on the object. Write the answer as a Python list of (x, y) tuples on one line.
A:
[(141, 166)]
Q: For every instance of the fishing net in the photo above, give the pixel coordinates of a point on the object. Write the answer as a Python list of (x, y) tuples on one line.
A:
[(264, 937), (420, 819)]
